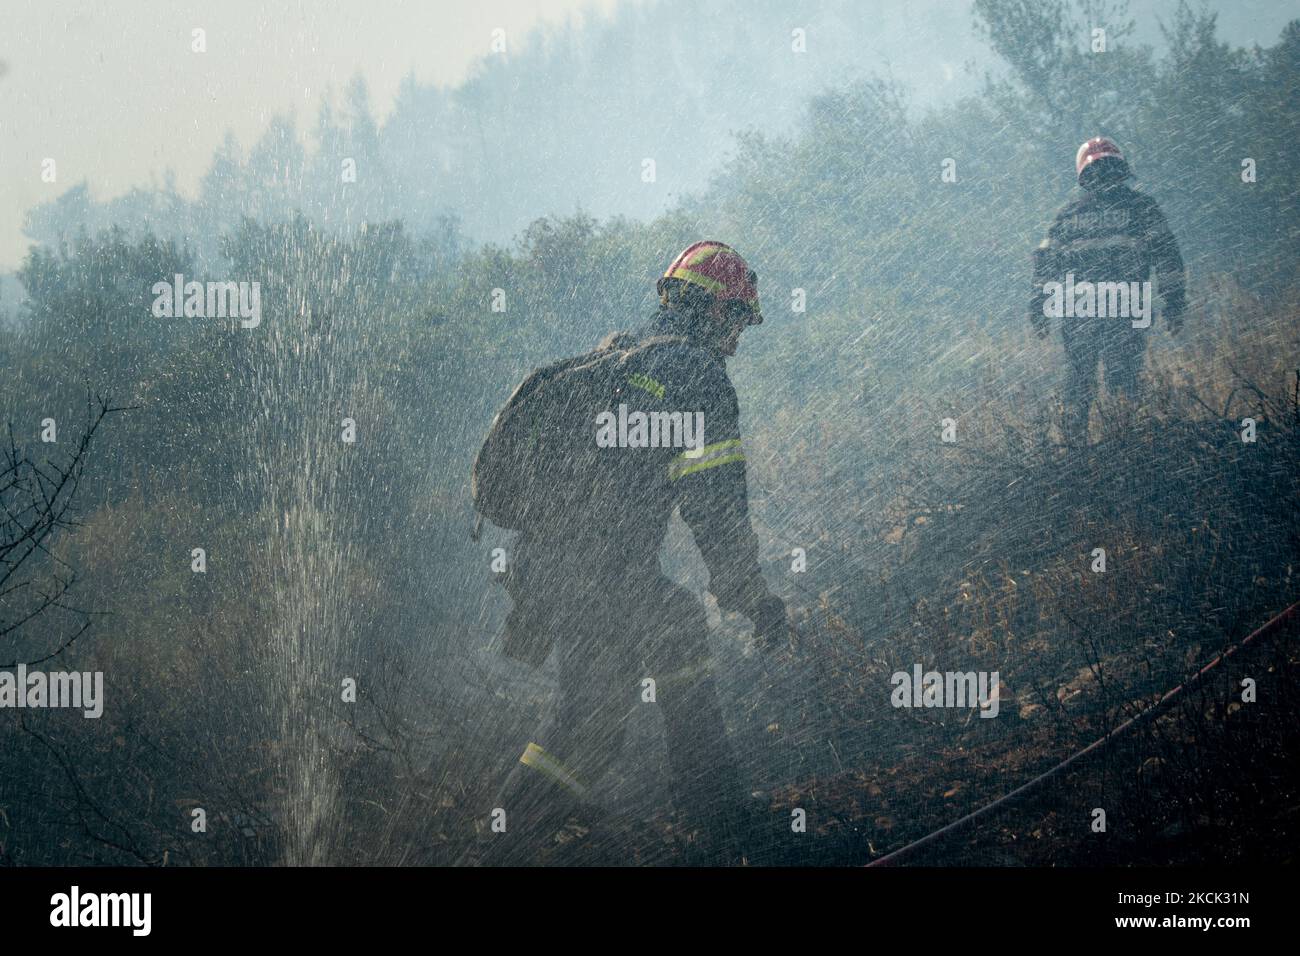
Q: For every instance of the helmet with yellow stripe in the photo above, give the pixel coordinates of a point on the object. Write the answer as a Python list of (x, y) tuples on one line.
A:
[(715, 269)]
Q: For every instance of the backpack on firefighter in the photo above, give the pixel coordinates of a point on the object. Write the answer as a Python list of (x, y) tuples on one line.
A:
[(538, 464)]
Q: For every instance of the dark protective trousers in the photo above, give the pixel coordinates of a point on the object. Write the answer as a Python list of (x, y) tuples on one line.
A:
[(612, 639), (1111, 342)]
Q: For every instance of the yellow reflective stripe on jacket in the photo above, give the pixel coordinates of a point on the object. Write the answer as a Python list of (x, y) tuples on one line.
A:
[(710, 456), (698, 453), (537, 758)]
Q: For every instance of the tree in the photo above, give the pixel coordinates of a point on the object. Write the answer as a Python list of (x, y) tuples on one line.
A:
[(37, 501)]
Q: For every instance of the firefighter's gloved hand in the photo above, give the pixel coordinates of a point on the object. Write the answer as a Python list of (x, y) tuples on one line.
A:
[(772, 630)]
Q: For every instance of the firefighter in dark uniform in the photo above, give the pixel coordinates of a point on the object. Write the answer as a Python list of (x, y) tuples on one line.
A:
[(1109, 234), (591, 585)]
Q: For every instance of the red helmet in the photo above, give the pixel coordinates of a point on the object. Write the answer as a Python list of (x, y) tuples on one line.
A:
[(1099, 147), (719, 270)]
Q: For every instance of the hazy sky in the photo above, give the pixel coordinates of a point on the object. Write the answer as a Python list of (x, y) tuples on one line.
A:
[(111, 90)]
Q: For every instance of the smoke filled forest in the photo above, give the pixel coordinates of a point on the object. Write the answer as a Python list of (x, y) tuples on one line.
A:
[(259, 526)]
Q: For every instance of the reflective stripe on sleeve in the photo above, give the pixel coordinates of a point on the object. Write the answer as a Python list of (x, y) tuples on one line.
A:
[(550, 765), (710, 456)]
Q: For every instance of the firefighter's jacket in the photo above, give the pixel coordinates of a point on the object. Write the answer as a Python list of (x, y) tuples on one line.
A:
[(614, 542), (1111, 234)]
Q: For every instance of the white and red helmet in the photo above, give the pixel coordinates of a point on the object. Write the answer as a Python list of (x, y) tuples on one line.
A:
[(720, 271), (1099, 147)]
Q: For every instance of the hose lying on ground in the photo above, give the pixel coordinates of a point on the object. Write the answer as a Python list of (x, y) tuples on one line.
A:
[(1273, 625)]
